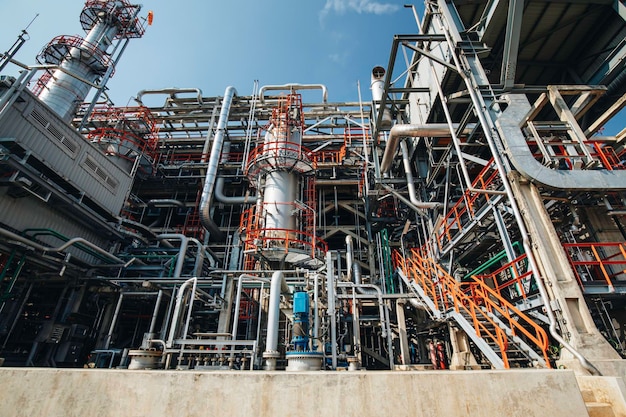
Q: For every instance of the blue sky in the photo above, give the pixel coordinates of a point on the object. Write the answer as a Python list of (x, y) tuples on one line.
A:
[(210, 44)]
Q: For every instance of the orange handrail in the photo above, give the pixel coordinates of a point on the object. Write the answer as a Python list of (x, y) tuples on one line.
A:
[(588, 256), (516, 276), (475, 298), (464, 209)]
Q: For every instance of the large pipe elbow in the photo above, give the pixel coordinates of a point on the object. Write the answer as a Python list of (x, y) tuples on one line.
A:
[(410, 184), (294, 87), (166, 202), (223, 198), (399, 131), (177, 308), (169, 91)]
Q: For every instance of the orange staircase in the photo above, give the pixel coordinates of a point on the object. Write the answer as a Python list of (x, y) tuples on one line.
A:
[(506, 336)]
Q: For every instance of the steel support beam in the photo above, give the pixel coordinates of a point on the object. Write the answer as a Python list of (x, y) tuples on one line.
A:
[(511, 43)]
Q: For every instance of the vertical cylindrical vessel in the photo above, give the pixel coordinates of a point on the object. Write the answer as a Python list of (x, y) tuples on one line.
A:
[(282, 226), (279, 193), (378, 88), (82, 62)]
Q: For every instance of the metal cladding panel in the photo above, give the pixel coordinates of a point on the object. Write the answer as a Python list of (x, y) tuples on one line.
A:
[(36, 129), (22, 214)]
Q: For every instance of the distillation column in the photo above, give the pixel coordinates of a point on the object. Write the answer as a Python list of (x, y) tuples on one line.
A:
[(281, 226), (82, 62)]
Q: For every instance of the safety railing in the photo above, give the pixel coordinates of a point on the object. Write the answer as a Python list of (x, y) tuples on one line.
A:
[(124, 12), (554, 145), (192, 225), (475, 300), (183, 158), (174, 158), (258, 237), (363, 186), (60, 47), (122, 142), (606, 154), (356, 134), (512, 281), (285, 240), (41, 82), (597, 263), (331, 156), (279, 155), (467, 206)]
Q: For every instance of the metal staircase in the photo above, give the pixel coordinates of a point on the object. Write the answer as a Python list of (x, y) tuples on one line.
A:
[(506, 336)]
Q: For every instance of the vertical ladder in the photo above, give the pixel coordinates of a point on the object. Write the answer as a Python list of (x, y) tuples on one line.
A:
[(387, 262)]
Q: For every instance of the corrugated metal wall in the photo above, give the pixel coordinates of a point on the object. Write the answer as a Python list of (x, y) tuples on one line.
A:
[(34, 127)]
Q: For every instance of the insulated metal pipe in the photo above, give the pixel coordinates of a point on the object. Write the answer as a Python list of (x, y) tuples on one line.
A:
[(241, 279), (409, 180), (438, 130), (219, 184), (155, 313), (214, 159), (190, 308), (237, 307), (118, 306), (182, 251), (316, 314), (369, 289), (349, 257), (177, 307), (373, 291), (171, 91), (201, 255), (227, 199), (294, 87), (71, 242), (332, 314), (166, 202), (278, 285)]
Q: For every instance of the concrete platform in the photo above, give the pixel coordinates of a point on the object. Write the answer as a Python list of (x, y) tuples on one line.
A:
[(48, 392)]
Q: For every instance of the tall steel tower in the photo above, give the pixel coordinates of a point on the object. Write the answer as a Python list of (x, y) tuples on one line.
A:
[(82, 63)]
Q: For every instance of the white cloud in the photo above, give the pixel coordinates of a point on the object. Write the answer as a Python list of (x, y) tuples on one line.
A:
[(358, 6), (340, 59)]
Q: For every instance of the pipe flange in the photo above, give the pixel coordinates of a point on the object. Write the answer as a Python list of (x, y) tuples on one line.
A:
[(271, 354)]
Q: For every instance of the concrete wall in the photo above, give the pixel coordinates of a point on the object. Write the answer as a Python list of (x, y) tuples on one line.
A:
[(46, 392), (606, 390)]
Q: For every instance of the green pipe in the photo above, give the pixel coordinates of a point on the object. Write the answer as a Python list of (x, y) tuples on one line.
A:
[(61, 237), (498, 257)]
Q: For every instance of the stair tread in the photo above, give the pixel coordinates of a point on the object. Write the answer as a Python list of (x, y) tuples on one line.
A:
[(598, 409)]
